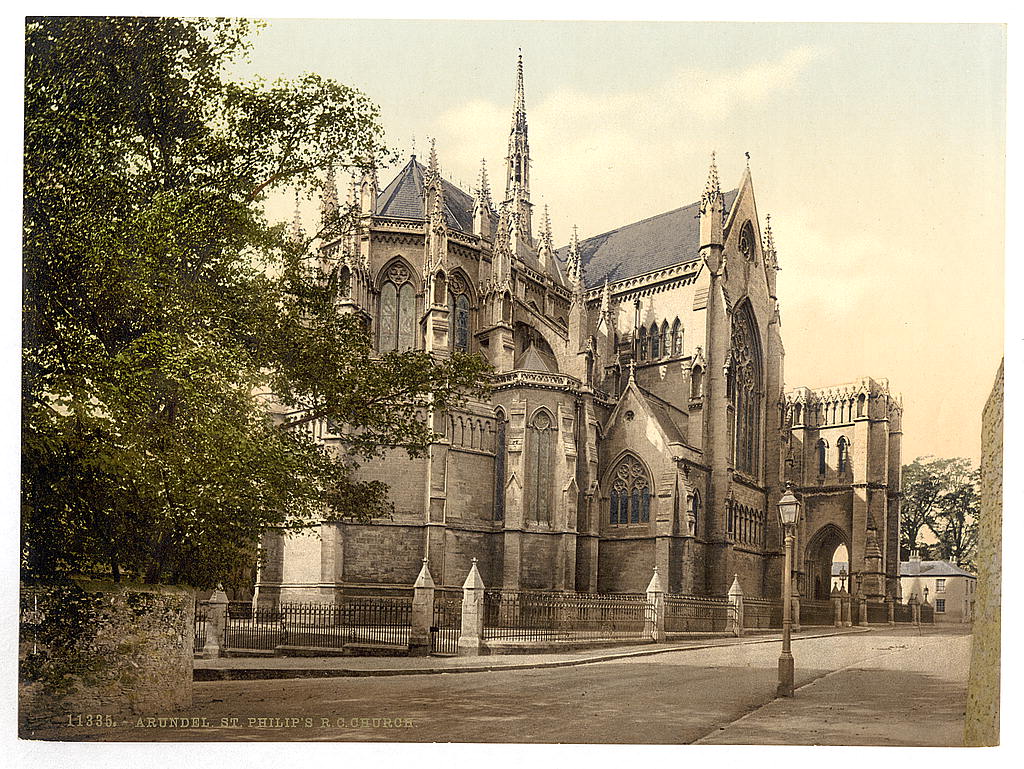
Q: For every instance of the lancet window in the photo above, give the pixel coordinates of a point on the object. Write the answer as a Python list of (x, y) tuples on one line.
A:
[(540, 442), (397, 310), (459, 313)]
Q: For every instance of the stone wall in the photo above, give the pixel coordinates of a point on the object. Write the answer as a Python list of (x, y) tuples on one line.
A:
[(982, 721), (96, 648)]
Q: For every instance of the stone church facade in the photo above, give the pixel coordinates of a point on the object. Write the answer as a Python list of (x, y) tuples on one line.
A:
[(638, 416)]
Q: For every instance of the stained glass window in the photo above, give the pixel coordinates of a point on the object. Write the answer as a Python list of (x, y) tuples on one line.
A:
[(746, 391), (630, 496), (397, 311), (388, 317), (540, 439), (655, 342), (677, 338)]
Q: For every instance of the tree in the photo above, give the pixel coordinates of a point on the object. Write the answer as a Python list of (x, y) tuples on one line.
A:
[(940, 496), (158, 301)]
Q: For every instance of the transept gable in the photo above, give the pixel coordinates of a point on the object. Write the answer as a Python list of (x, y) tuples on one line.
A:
[(638, 415)]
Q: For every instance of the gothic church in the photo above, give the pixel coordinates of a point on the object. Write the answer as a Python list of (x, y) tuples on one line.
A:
[(638, 417)]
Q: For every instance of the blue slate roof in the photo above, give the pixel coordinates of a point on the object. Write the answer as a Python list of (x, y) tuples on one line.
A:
[(932, 569), (403, 199), (645, 246)]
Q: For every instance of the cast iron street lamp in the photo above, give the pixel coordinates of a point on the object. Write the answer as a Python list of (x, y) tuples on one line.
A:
[(789, 513), (842, 578)]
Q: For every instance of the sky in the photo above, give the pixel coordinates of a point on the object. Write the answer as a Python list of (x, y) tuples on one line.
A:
[(878, 149)]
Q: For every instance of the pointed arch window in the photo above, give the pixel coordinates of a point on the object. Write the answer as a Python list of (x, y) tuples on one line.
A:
[(843, 448), (693, 514), (499, 465), (539, 460), (397, 311), (696, 381), (655, 342), (666, 340), (746, 391), (677, 338), (459, 314), (630, 497), (822, 456)]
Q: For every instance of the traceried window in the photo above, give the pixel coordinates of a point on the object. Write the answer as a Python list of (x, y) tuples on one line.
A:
[(677, 338), (499, 465), (655, 342), (459, 313), (397, 310), (746, 390), (630, 498), (539, 445), (843, 447), (747, 247)]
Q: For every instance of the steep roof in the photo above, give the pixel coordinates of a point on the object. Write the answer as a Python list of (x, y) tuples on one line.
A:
[(645, 246), (931, 569), (403, 198)]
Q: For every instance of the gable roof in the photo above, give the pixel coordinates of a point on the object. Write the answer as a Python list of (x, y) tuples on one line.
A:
[(403, 198), (645, 246), (931, 569)]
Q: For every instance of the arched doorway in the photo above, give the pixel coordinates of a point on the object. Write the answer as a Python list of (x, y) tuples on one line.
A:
[(818, 557)]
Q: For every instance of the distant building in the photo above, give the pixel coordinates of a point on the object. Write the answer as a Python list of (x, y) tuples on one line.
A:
[(950, 588)]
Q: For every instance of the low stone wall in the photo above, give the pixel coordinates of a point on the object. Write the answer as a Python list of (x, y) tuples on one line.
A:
[(96, 649)]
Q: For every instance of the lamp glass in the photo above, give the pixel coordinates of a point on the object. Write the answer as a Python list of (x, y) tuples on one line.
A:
[(789, 508)]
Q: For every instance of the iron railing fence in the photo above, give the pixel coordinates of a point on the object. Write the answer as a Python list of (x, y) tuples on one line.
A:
[(696, 614), (817, 612), (370, 620), (446, 626), (534, 616), (252, 629), (927, 613), (878, 614), (199, 639), (904, 612), (761, 613)]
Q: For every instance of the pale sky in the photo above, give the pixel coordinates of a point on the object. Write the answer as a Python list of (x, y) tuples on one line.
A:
[(877, 149)]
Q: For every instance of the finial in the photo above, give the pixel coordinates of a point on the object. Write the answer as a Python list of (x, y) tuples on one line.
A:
[(474, 561), (432, 163), (748, 159), (632, 371), (712, 187), (414, 146)]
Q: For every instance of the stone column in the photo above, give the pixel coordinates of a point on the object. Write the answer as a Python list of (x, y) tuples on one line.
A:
[(472, 614), (654, 626), (216, 616), (794, 608), (862, 610), (837, 602), (735, 625), (422, 616), (890, 605)]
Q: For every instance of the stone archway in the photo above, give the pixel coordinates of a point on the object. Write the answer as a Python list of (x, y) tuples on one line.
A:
[(818, 560)]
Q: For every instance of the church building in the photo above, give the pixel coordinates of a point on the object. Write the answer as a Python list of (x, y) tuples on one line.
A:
[(638, 416)]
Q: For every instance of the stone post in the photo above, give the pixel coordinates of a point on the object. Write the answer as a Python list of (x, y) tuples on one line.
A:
[(837, 602), (654, 627), (847, 608), (890, 605), (216, 617), (794, 608), (472, 614), (862, 610), (735, 607), (422, 613)]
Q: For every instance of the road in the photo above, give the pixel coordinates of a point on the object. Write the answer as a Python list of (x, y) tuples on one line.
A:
[(872, 688)]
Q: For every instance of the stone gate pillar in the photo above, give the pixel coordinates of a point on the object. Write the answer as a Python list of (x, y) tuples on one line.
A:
[(655, 624), (472, 614), (422, 613)]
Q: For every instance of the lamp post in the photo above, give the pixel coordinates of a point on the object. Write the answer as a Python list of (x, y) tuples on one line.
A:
[(926, 595), (789, 513), (842, 578)]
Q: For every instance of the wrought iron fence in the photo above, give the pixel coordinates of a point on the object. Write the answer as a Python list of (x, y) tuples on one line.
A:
[(696, 614), (904, 612), (199, 639), (927, 613), (817, 612), (249, 629), (534, 616), (878, 614), (761, 613), (446, 625)]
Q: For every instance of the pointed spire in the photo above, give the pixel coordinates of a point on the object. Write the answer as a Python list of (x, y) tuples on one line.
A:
[(770, 254), (519, 105), (517, 164), (432, 167), (329, 204), (545, 229), (712, 188), (574, 264), (483, 190)]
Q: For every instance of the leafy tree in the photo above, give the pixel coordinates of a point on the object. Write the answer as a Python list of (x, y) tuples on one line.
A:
[(160, 307), (940, 496)]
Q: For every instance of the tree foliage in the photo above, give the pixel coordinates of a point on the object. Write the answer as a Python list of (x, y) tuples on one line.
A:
[(940, 497), (158, 300)]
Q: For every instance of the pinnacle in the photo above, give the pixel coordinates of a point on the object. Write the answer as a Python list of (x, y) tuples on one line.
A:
[(712, 187), (545, 230), (484, 187), (432, 163)]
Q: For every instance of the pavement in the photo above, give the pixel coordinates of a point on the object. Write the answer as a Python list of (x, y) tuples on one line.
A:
[(879, 686), (252, 668)]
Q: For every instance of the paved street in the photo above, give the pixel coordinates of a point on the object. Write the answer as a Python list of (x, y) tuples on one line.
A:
[(863, 688)]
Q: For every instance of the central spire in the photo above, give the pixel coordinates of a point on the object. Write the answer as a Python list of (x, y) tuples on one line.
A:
[(517, 164)]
